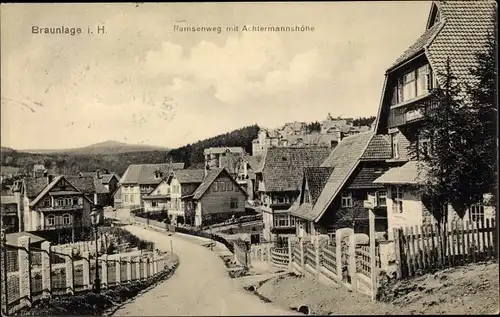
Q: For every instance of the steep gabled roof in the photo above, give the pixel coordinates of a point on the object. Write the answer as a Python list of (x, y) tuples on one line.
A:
[(459, 34), (189, 175), (87, 184), (106, 178), (212, 175), (144, 174), (34, 186), (344, 159), (283, 166), (45, 189), (316, 178)]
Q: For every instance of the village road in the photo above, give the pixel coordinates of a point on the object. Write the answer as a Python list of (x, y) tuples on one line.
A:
[(199, 287)]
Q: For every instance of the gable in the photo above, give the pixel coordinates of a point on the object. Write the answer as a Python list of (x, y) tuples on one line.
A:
[(162, 189)]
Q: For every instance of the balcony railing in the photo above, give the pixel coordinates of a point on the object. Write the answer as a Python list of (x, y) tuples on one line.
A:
[(60, 226), (63, 207), (412, 112)]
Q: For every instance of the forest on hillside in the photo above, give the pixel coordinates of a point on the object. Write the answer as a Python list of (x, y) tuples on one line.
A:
[(67, 163)]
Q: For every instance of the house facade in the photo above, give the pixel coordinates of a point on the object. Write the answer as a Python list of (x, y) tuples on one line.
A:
[(278, 185), (141, 179), (246, 174), (332, 194), (9, 213), (217, 198), (52, 204), (158, 199), (454, 30), (183, 184)]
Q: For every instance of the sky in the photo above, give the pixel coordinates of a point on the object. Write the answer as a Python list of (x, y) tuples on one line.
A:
[(144, 81)]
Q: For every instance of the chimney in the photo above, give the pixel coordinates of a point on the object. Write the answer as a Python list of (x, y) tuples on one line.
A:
[(98, 173), (49, 178)]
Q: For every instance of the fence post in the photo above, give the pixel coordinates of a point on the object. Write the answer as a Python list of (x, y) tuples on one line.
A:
[(129, 269), (397, 250), (70, 287), (338, 256), (151, 265), (155, 263), (138, 269), (86, 269), (145, 267), (269, 255), (316, 258), (373, 263), (290, 255), (24, 271), (118, 270), (5, 300), (104, 271), (46, 270), (302, 264), (352, 261)]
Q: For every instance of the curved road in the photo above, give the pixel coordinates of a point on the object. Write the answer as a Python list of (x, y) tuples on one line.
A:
[(200, 286)]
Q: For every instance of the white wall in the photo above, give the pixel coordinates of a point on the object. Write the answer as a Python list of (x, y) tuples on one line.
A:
[(412, 210)]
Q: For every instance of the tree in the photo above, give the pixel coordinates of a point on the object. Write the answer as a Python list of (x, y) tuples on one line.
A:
[(483, 103), (454, 164)]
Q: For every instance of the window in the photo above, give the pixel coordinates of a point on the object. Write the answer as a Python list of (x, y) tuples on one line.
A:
[(46, 202), (154, 204), (423, 80), (230, 186), (476, 213), (397, 199), (234, 203), (281, 220), (306, 196), (66, 219), (125, 198), (75, 200), (395, 146), (409, 87), (346, 199), (292, 221), (60, 202), (131, 198), (67, 201), (222, 186), (382, 198), (51, 220), (216, 186)]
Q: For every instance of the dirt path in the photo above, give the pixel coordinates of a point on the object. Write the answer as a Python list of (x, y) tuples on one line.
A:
[(199, 287)]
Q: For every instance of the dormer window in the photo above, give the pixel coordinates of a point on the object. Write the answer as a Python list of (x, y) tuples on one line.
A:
[(413, 84)]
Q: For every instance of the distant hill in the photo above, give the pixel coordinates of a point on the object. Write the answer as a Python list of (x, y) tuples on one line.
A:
[(105, 148)]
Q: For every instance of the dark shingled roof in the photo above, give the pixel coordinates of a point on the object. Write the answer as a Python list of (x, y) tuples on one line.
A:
[(106, 178), (87, 185), (189, 176), (209, 179), (379, 148), (144, 174), (365, 176), (34, 185), (316, 179), (283, 166)]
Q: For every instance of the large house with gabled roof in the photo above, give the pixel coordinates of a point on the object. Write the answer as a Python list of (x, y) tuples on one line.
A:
[(53, 203), (140, 179), (278, 185), (332, 194), (454, 32), (182, 184)]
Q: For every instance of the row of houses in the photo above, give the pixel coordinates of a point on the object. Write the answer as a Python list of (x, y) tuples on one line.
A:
[(295, 134), (319, 191)]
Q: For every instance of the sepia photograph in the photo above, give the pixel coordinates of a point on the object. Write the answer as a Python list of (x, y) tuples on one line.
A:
[(249, 158)]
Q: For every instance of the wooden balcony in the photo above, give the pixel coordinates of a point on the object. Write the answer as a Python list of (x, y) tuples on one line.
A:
[(61, 208), (60, 226), (410, 112)]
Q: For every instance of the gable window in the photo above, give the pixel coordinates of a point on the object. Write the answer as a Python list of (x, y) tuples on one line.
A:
[(346, 199), (51, 220), (67, 201), (395, 146), (423, 80), (46, 202), (476, 213), (60, 202), (154, 203), (229, 186), (397, 199), (409, 87), (222, 186), (306, 196), (66, 219), (216, 186), (382, 198), (234, 203), (75, 201)]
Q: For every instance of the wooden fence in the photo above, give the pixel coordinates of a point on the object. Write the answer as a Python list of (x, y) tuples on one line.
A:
[(29, 274), (424, 248)]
